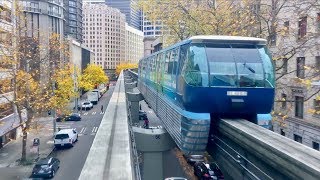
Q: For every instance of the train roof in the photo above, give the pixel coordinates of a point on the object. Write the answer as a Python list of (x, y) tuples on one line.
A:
[(239, 39), (214, 39)]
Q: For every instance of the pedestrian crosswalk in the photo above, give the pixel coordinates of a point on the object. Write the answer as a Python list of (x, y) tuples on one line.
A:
[(91, 113)]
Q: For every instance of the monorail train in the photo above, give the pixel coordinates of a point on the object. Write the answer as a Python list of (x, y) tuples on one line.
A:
[(205, 76)]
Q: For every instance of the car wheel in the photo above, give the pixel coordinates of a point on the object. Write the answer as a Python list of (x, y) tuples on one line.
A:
[(52, 174), (77, 139)]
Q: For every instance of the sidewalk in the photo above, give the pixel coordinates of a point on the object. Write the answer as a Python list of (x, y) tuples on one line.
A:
[(11, 152), (154, 121)]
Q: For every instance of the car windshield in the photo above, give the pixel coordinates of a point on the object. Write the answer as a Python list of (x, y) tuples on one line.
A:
[(62, 136), (86, 103), (74, 114)]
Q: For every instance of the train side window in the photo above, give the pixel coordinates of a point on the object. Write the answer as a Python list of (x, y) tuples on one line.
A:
[(196, 71), (183, 56)]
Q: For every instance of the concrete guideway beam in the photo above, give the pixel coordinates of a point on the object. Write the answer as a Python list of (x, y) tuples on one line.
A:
[(270, 155), (110, 154)]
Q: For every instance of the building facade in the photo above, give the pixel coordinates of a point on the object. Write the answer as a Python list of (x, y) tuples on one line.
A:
[(73, 17), (296, 49), (151, 29), (8, 119), (104, 34), (134, 44), (127, 7)]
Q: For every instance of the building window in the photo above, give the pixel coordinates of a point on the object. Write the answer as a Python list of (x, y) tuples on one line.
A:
[(299, 107), (317, 63), (297, 138), (315, 145), (318, 22), (284, 66), (273, 38), (286, 25), (282, 132), (284, 101), (316, 105), (302, 27), (5, 110), (300, 67)]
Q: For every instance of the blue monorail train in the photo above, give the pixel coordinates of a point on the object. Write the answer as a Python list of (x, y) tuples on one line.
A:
[(203, 76)]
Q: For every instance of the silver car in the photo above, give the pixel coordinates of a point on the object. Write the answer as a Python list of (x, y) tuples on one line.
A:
[(86, 105)]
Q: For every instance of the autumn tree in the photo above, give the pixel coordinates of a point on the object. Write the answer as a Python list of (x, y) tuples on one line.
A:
[(33, 70), (92, 76), (183, 19), (123, 66)]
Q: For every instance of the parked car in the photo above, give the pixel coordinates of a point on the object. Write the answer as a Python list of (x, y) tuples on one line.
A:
[(65, 137), (201, 170), (45, 168), (192, 159), (207, 171), (87, 105), (71, 117)]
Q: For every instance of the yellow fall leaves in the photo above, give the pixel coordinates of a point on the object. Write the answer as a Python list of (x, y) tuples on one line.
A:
[(123, 66), (92, 76)]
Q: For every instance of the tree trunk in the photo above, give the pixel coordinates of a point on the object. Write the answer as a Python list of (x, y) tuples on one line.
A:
[(25, 135), (24, 145)]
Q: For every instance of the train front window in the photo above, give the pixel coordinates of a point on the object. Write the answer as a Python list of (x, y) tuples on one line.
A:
[(222, 66), (249, 65), (235, 65)]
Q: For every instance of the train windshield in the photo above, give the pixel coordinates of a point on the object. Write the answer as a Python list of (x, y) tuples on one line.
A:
[(231, 65)]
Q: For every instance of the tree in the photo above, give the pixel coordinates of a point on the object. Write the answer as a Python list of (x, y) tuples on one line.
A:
[(92, 76), (285, 24), (31, 67), (123, 66), (183, 19)]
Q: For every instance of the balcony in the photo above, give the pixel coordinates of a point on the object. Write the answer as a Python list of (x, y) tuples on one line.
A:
[(32, 9), (54, 14), (58, 2)]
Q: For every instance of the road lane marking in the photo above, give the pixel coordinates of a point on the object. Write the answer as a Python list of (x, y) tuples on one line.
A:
[(92, 134), (101, 112), (85, 113), (82, 130), (50, 142), (93, 113)]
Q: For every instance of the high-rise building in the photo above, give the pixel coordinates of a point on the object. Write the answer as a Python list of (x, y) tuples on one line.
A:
[(73, 17), (127, 7), (134, 44), (104, 34), (151, 29)]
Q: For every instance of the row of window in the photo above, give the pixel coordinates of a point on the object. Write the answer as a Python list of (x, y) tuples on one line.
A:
[(300, 66), (302, 28), (297, 138)]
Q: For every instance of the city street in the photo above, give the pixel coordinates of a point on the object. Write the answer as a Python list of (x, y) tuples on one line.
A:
[(72, 159)]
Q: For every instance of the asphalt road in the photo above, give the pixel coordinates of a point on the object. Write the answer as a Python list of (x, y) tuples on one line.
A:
[(73, 159)]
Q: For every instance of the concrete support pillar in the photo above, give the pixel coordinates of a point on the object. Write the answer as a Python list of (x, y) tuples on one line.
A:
[(153, 143), (133, 99)]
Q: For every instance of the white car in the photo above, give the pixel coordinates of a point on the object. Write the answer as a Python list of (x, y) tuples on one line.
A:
[(65, 137), (87, 105)]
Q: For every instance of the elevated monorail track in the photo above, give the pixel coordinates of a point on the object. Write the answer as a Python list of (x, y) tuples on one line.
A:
[(244, 150)]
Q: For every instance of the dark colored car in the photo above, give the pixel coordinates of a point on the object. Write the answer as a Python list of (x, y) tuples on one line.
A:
[(45, 168), (201, 170), (217, 172), (71, 117)]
